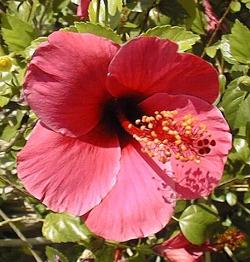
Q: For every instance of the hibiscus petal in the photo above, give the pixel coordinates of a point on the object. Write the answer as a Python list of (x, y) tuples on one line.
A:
[(82, 9), (149, 65), (196, 179), (181, 254), (140, 204), (69, 174), (65, 81), (178, 249)]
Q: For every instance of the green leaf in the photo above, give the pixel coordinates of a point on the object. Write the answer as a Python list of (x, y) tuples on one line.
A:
[(22, 10), (196, 221), (190, 8), (231, 199), (246, 198), (97, 29), (242, 151), (52, 255), (4, 101), (58, 5), (65, 228), (226, 50), (17, 34), (185, 39), (105, 254), (93, 11), (235, 6), (239, 42), (236, 102), (114, 6), (198, 23), (29, 51)]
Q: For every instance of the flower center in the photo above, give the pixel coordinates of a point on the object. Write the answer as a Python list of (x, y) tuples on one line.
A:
[(166, 134)]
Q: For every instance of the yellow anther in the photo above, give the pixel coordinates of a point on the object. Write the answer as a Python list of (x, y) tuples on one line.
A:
[(150, 125), (177, 155), (165, 128), (158, 117), (153, 134), (138, 121), (177, 137), (171, 132), (178, 142), (157, 141), (183, 148)]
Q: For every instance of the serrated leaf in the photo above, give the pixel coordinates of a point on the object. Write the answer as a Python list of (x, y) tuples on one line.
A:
[(236, 102), (226, 50), (64, 228), (239, 42), (185, 39), (17, 34), (54, 255), (97, 29), (196, 221)]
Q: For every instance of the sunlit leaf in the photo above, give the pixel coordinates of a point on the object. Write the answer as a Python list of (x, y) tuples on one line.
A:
[(64, 228), (185, 39), (97, 29), (196, 222), (239, 42), (17, 34)]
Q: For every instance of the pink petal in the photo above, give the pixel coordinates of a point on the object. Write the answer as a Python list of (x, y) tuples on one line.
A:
[(182, 255), (178, 249), (140, 204), (196, 179), (82, 9), (149, 65), (69, 174), (64, 84)]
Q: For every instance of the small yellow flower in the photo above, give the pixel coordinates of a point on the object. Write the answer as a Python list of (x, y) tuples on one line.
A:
[(5, 63)]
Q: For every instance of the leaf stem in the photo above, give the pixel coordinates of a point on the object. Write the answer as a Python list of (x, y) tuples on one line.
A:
[(18, 242)]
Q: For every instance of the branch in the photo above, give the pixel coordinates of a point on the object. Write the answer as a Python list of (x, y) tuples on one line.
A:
[(216, 30), (18, 242), (21, 236)]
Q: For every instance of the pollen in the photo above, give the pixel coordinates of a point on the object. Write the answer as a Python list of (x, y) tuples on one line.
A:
[(169, 134)]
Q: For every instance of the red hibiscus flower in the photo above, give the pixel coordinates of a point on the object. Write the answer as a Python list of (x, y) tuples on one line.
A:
[(123, 130), (178, 249), (82, 9)]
